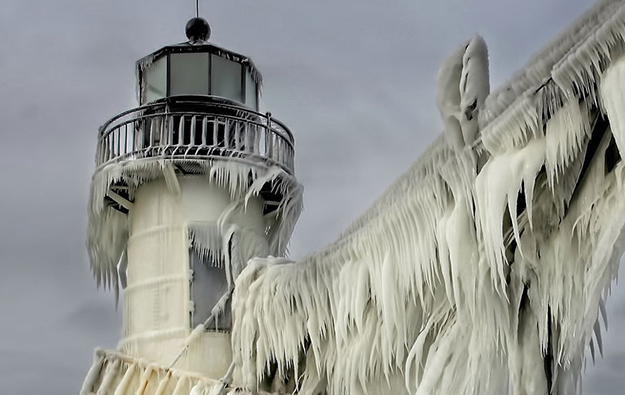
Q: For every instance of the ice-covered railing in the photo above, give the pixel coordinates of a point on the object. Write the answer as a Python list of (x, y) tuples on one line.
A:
[(193, 128), (116, 373), (484, 269), (567, 68)]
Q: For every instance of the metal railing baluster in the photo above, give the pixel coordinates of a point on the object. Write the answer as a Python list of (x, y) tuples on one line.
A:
[(117, 141), (237, 136), (226, 130), (169, 140), (227, 126), (268, 144), (215, 134)]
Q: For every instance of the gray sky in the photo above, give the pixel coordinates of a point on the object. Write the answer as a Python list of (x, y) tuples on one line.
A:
[(354, 80)]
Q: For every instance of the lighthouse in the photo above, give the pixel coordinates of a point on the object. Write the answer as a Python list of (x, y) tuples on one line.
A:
[(483, 269), (188, 186)]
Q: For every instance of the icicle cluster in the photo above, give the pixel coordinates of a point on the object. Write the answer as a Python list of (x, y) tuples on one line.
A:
[(482, 270), (107, 231), (117, 374)]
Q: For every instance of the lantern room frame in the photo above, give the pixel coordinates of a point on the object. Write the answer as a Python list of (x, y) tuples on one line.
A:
[(249, 76)]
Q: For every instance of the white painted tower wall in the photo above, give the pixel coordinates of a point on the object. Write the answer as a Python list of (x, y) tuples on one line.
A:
[(157, 299)]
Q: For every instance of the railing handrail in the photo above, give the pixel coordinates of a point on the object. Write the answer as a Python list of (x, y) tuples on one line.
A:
[(195, 113), (201, 100), (195, 128)]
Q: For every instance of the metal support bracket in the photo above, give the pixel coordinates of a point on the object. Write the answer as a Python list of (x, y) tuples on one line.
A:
[(122, 201), (170, 177)]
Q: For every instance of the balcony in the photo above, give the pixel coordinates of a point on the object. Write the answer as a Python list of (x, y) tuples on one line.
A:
[(195, 128)]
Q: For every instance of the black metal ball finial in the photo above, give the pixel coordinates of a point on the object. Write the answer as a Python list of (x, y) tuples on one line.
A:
[(198, 29)]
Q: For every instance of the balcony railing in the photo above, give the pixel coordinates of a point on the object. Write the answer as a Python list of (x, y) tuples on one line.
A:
[(194, 128), (113, 372)]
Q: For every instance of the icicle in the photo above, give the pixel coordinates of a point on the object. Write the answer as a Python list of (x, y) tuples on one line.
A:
[(597, 330), (565, 133), (170, 175), (427, 271), (93, 374), (123, 388), (112, 370), (207, 241), (144, 381), (163, 384), (107, 227), (498, 185), (182, 386), (592, 351), (604, 314), (613, 100)]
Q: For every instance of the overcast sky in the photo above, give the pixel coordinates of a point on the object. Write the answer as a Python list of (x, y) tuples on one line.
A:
[(353, 79)]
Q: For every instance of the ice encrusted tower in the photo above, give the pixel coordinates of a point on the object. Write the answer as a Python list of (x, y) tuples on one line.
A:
[(188, 187)]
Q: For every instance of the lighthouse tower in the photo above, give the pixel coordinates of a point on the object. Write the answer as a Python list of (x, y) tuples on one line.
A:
[(187, 188)]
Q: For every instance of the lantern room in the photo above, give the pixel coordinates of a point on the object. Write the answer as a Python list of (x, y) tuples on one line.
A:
[(197, 68)]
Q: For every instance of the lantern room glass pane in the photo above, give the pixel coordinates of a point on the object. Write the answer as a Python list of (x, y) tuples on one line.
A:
[(226, 79), (189, 74), (155, 80), (250, 91)]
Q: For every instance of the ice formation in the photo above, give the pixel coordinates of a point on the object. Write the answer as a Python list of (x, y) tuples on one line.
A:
[(462, 87), (107, 232), (117, 374), (484, 269)]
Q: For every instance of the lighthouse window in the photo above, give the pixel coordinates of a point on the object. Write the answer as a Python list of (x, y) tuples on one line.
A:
[(155, 80), (207, 287), (250, 91), (189, 74), (226, 79)]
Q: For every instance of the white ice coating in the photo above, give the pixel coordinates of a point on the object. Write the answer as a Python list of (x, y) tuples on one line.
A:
[(117, 374), (613, 99), (107, 231), (569, 67), (482, 270), (462, 86)]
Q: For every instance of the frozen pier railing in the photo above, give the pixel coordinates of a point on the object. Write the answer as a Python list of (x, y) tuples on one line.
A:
[(193, 128), (115, 373)]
